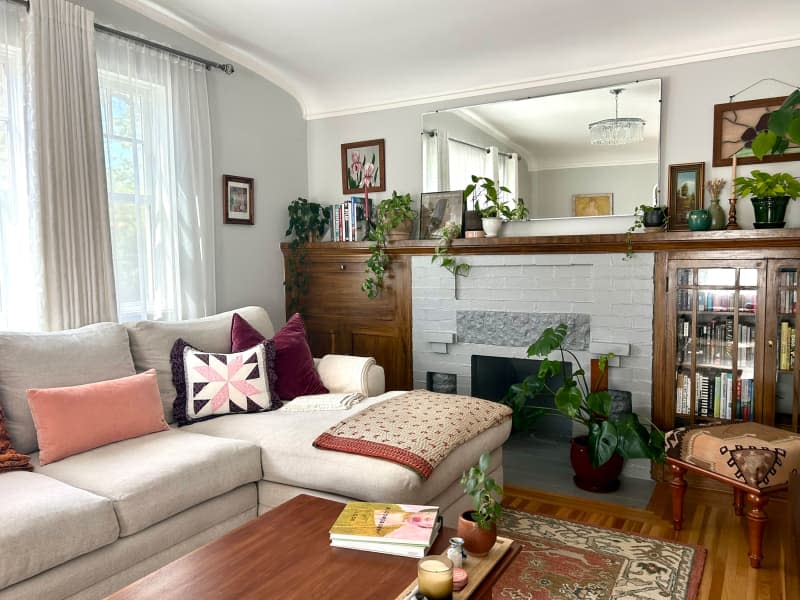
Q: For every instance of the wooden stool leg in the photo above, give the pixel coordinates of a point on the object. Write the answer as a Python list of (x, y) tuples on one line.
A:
[(738, 502), (756, 522), (678, 485)]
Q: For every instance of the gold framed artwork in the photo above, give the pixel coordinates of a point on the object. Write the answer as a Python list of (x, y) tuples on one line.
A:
[(736, 124), (592, 205), (685, 193)]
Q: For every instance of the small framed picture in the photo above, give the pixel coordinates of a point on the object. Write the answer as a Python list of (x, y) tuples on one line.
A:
[(364, 166), (437, 209), (237, 200), (685, 193), (736, 124), (592, 205)]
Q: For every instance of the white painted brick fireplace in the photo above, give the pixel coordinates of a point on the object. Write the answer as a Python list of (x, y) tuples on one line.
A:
[(616, 294)]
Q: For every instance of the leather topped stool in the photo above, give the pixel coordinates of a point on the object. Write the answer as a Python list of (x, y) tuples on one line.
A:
[(756, 460)]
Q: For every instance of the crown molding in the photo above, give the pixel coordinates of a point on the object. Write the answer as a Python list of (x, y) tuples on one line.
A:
[(246, 59), (568, 77), (584, 165)]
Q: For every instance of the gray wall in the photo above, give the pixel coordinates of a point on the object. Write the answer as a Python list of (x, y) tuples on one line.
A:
[(553, 188), (689, 94), (257, 131)]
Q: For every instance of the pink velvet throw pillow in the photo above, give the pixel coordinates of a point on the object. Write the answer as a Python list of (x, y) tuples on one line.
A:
[(70, 420), (294, 363)]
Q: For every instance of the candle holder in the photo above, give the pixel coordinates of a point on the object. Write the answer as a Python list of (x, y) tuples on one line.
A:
[(732, 224), (435, 577)]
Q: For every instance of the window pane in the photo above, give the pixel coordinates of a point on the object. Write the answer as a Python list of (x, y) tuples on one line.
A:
[(121, 171), (125, 237), (716, 277), (748, 277), (121, 115)]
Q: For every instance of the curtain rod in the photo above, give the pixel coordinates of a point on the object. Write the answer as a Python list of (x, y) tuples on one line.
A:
[(432, 132), (209, 64)]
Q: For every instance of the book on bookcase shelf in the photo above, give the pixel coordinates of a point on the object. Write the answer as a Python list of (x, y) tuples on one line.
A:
[(716, 395), (787, 346), (389, 528)]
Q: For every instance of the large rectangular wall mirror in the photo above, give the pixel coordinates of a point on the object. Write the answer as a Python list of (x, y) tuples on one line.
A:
[(543, 150)]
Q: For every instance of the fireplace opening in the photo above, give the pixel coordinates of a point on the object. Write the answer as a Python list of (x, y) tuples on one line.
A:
[(492, 376)]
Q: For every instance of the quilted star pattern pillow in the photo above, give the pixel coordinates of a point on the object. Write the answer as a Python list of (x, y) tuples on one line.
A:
[(210, 384)]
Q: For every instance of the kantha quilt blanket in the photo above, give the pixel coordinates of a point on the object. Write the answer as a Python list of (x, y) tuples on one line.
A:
[(418, 429)]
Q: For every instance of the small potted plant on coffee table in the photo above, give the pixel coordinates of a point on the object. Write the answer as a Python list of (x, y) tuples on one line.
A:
[(478, 527)]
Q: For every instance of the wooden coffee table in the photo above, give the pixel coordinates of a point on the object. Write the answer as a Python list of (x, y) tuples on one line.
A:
[(286, 554)]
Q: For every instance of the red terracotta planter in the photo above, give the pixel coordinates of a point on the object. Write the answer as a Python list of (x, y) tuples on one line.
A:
[(477, 541), (603, 479)]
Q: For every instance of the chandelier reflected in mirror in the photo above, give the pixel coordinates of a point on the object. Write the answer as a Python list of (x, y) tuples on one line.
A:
[(619, 130)]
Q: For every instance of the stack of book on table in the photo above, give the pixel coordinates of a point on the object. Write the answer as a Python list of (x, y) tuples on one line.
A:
[(399, 529)]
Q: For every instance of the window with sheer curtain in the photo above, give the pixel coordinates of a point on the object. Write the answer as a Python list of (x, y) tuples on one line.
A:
[(20, 293), (156, 133), (466, 161)]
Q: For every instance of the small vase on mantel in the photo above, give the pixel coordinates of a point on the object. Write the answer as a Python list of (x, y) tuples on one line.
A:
[(718, 219)]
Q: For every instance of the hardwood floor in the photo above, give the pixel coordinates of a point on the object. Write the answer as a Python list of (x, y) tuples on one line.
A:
[(708, 521)]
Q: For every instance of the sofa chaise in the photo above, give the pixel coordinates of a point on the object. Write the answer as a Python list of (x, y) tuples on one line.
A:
[(86, 525)]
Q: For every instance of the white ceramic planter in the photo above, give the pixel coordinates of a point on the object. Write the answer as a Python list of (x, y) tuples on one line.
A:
[(491, 226)]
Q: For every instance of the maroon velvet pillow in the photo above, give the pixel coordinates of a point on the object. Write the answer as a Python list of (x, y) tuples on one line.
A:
[(293, 360)]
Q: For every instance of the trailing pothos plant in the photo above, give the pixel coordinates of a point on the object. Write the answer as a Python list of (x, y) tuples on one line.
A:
[(391, 212), (623, 435), (307, 222), (641, 214), (442, 252)]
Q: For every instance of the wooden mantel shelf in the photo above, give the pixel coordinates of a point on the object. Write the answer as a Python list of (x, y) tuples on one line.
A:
[(642, 242)]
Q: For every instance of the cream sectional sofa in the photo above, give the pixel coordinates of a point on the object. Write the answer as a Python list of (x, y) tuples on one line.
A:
[(87, 525)]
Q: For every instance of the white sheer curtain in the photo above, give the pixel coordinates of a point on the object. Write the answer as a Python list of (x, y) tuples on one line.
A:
[(508, 174), (466, 161), (20, 257), (436, 161), (68, 179), (157, 136)]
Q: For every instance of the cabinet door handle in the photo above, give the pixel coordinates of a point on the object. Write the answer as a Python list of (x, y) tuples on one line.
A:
[(342, 267), (769, 343)]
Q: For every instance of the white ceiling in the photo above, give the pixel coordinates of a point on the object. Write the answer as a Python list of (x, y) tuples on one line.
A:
[(347, 56)]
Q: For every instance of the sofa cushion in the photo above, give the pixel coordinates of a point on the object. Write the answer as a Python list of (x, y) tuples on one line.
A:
[(155, 476), (288, 456), (151, 343), (77, 418), (45, 522), (294, 363), (43, 360), (210, 384)]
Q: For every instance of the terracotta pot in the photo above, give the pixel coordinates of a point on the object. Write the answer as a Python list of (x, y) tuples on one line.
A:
[(477, 541), (401, 232), (602, 479)]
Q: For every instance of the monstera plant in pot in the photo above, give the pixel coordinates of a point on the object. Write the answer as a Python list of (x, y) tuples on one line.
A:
[(494, 210), (478, 527), (770, 193), (597, 456)]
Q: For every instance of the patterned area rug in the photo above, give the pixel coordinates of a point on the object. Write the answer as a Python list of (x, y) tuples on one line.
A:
[(568, 560)]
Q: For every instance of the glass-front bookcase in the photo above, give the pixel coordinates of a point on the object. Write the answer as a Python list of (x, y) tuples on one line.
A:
[(717, 322), (732, 330)]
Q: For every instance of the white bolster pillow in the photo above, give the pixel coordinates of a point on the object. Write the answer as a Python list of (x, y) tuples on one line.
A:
[(343, 374)]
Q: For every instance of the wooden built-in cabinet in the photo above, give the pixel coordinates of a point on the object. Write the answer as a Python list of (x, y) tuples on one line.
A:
[(728, 341), (340, 319)]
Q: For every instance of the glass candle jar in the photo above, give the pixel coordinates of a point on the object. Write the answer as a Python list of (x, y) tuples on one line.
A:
[(435, 577)]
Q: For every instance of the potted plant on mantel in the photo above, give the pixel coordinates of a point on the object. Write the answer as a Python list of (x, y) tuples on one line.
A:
[(597, 457), (652, 217), (494, 210), (393, 222), (478, 527), (770, 193)]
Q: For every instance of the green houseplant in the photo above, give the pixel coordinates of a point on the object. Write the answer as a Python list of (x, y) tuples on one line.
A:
[(607, 437), (307, 223), (478, 527), (783, 128), (494, 209), (770, 194), (442, 251), (645, 216), (392, 213)]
